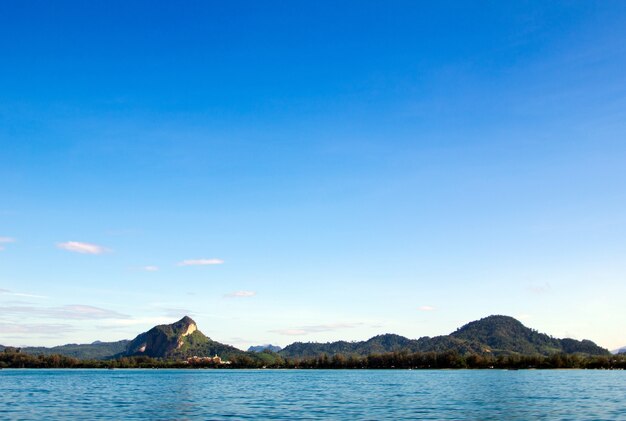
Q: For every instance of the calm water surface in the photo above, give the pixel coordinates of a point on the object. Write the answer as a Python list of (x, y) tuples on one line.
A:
[(314, 394)]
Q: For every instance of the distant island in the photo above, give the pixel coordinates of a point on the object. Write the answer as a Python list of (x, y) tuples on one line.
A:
[(492, 342), (621, 350), (266, 347)]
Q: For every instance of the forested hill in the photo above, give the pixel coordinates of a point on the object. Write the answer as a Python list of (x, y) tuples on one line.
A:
[(506, 334), (380, 344), (495, 335), (178, 340), (96, 350)]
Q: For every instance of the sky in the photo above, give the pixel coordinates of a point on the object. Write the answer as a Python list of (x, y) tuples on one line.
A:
[(311, 171)]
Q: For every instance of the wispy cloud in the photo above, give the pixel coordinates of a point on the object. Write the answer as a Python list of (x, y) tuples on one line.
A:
[(426, 308), (80, 247), (20, 294), (136, 321), (67, 312), (19, 328), (201, 262), (305, 330), (240, 294), (539, 289), (79, 311), (151, 268), (5, 240), (177, 312), (290, 332)]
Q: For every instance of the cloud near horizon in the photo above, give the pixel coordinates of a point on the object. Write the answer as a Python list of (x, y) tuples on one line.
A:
[(83, 248), (305, 330), (67, 312), (136, 321), (177, 313), (426, 308), (201, 262), (537, 289), (151, 268), (240, 294), (29, 329)]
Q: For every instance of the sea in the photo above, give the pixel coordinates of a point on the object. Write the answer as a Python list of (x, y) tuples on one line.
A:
[(212, 394)]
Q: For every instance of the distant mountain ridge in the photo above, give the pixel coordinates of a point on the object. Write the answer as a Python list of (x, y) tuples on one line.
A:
[(621, 350), (93, 351), (264, 348), (494, 335), (178, 340), (497, 335)]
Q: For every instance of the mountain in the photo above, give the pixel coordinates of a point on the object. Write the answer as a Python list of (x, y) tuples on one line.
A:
[(181, 339), (494, 335), (506, 334), (266, 347), (497, 335), (503, 334), (178, 340), (94, 351), (621, 350), (379, 345)]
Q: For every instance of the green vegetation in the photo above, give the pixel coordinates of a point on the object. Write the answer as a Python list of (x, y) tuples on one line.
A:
[(503, 334), (493, 335), (200, 345), (13, 358), (495, 341), (177, 341), (93, 351)]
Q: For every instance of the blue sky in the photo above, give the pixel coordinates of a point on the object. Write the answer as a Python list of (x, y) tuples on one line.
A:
[(311, 170)]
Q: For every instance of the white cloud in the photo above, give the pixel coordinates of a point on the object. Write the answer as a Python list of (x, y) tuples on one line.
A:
[(80, 311), (426, 308), (148, 321), (239, 294), (305, 330), (73, 312), (539, 289), (290, 332), (29, 329), (177, 313), (150, 268), (5, 240), (20, 294), (201, 262), (84, 248)]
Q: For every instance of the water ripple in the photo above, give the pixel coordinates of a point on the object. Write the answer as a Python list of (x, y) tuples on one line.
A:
[(313, 394)]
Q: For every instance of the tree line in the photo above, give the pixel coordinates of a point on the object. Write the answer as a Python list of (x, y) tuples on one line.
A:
[(13, 358)]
